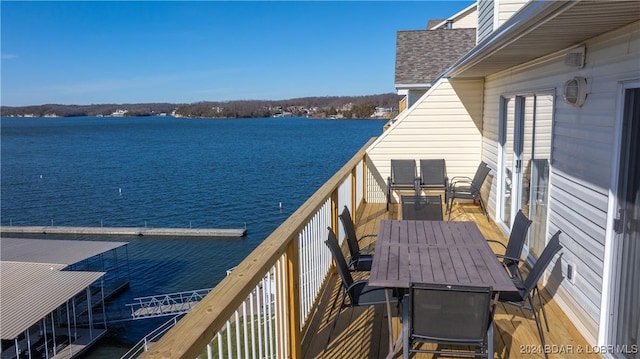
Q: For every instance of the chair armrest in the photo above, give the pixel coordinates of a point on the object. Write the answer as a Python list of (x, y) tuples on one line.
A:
[(460, 178), (455, 183), (517, 260), (367, 236), (500, 243)]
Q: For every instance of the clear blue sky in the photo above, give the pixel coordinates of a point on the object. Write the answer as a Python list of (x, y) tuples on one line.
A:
[(184, 52)]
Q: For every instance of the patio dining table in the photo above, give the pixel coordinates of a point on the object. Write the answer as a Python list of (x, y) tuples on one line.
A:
[(434, 252)]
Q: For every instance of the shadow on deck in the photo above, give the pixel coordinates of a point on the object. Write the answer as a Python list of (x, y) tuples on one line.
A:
[(363, 332)]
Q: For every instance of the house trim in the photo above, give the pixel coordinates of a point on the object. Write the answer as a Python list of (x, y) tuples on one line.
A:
[(610, 285)]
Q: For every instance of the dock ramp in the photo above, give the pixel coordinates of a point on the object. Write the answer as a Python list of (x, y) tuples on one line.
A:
[(166, 304)]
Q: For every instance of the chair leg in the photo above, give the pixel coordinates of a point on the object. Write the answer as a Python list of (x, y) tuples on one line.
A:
[(544, 312), (490, 348), (538, 325), (333, 327), (335, 321), (388, 192), (333, 305), (483, 208), (405, 328)]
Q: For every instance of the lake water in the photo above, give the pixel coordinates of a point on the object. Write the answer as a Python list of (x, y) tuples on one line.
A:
[(166, 172)]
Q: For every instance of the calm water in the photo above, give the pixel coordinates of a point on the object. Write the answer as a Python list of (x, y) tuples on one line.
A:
[(166, 172)]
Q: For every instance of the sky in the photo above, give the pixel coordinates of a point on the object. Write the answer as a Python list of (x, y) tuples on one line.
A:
[(188, 51)]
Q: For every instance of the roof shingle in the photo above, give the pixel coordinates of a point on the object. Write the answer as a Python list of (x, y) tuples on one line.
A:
[(422, 55)]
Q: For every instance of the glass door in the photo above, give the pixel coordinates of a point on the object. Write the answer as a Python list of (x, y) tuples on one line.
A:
[(538, 171), (627, 227), (508, 150), (526, 151)]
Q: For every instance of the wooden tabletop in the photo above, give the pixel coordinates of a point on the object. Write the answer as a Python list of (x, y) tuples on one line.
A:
[(435, 252)]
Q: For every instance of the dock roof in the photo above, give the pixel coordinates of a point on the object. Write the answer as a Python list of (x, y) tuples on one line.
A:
[(33, 280), (52, 251), (30, 291)]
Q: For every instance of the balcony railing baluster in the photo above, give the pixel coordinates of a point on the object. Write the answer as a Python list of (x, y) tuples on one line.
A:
[(280, 281)]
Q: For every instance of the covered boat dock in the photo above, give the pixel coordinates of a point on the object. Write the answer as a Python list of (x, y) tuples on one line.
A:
[(48, 304)]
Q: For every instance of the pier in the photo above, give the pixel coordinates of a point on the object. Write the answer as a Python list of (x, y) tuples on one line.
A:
[(126, 231)]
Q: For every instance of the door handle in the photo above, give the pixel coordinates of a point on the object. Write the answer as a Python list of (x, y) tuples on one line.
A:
[(618, 223)]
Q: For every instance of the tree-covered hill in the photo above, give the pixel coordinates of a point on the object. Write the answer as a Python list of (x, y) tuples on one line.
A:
[(341, 106)]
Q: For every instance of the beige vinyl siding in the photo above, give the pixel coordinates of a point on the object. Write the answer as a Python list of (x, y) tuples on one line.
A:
[(506, 9), (439, 125), (468, 20), (485, 19), (581, 166)]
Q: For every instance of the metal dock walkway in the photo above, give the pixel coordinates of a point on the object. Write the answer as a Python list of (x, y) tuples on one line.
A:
[(166, 304), (126, 231)]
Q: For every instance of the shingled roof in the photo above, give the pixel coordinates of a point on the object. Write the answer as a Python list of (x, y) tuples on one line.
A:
[(422, 55)]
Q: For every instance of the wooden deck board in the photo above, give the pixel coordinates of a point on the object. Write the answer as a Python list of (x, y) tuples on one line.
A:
[(363, 332)]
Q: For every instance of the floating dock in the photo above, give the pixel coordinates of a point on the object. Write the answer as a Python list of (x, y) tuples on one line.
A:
[(126, 231)]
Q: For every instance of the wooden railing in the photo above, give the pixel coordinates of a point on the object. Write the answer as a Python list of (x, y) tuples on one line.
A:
[(403, 104), (261, 308)]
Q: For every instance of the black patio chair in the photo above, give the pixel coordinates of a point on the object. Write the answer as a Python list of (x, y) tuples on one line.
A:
[(359, 293), (433, 175), (528, 288), (360, 259), (424, 208), (466, 188), (513, 250), (403, 177), (452, 317)]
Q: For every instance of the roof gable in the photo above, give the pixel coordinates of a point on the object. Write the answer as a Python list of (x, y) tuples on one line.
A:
[(422, 55)]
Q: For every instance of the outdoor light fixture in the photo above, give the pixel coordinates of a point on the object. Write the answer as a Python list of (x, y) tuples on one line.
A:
[(575, 91)]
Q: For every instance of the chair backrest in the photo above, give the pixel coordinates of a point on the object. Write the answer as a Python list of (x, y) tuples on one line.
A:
[(542, 263), (433, 173), (338, 257), (518, 234), (403, 172), (427, 208), (457, 314), (481, 174), (352, 239)]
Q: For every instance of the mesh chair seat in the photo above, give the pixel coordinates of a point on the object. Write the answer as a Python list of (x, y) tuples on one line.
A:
[(403, 177), (359, 292), (360, 259), (528, 288), (433, 175), (466, 188), (511, 257), (422, 208), (450, 316)]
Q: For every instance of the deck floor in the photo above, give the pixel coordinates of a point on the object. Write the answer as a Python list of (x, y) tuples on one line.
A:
[(363, 332)]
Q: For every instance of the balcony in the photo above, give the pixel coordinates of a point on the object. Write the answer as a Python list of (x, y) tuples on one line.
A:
[(276, 303)]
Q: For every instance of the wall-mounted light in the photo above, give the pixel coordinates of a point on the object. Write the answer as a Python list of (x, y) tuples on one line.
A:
[(575, 91)]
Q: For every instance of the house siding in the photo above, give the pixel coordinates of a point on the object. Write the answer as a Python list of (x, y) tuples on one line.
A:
[(506, 9), (582, 152), (468, 20), (485, 19), (446, 117)]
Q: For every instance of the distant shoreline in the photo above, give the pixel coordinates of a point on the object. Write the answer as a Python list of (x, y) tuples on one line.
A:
[(372, 106)]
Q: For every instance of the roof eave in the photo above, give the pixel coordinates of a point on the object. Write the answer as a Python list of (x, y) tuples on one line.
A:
[(509, 32)]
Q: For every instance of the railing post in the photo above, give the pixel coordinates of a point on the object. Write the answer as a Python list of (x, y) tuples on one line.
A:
[(365, 178), (334, 211), (354, 187), (293, 290)]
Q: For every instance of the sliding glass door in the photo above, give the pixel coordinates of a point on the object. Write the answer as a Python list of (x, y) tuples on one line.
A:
[(526, 152), (626, 329)]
